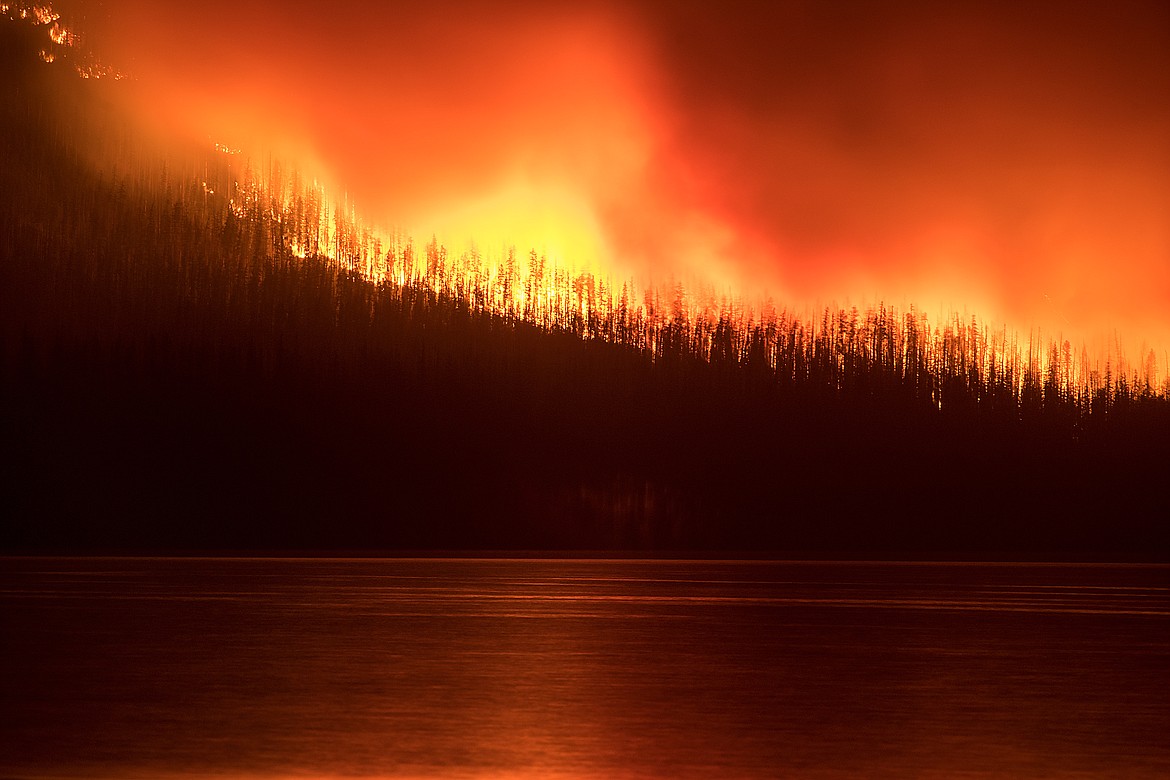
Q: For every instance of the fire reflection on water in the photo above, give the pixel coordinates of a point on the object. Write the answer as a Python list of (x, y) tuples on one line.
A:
[(581, 669)]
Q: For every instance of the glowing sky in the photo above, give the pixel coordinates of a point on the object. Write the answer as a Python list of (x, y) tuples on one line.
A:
[(1013, 160)]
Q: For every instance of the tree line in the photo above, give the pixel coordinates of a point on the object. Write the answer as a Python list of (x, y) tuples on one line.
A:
[(198, 354)]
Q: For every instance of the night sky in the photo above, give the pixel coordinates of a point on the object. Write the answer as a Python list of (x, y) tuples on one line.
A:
[(1012, 160)]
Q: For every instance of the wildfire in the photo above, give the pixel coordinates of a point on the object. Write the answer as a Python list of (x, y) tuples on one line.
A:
[(536, 252), (61, 36), (64, 42), (552, 220), (554, 286)]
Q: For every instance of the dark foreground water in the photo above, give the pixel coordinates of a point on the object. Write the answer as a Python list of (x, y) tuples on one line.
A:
[(156, 668)]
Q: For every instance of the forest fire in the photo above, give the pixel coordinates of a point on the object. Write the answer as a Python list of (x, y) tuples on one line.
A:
[(607, 390), (545, 254), (693, 319), (63, 41)]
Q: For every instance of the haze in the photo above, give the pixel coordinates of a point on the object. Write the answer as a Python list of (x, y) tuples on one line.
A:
[(1011, 162)]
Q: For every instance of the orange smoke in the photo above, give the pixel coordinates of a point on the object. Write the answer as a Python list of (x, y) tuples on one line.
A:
[(1011, 162), (477, 124)]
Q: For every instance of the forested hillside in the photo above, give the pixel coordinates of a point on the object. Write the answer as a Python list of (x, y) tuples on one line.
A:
[(197, 361)]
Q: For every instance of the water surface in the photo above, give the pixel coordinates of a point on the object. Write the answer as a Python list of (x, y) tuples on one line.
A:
[(274, 668)]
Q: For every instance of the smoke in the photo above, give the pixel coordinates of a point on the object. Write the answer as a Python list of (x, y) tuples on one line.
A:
[(1010, 161)]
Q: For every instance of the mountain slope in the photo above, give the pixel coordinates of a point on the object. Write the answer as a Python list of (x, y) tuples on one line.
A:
[(176, 379)]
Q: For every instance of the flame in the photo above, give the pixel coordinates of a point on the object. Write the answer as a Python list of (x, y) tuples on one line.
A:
[(553, 220), (60, 36), (37, 14), (64, 42), (594, 200), (551, 286)]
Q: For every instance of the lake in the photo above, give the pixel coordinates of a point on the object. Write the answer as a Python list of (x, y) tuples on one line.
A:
[(458, 668)]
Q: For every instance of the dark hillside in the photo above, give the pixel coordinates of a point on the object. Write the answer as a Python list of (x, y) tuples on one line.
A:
[(174, 378)]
